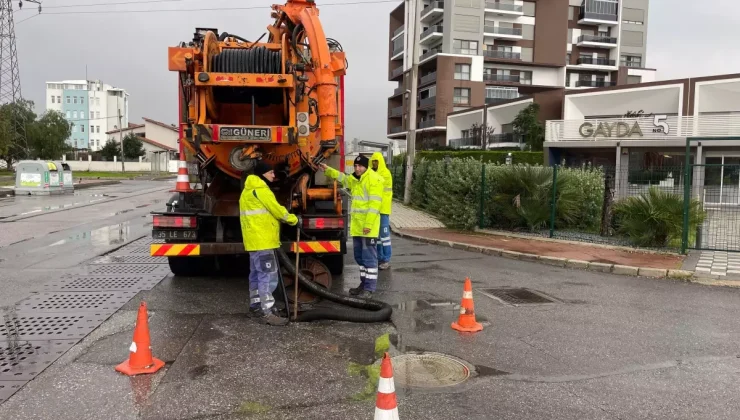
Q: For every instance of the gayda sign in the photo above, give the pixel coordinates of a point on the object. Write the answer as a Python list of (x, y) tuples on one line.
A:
[(622, 129)]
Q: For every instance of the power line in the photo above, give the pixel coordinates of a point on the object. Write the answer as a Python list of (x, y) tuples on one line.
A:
[(77, 12), (28, 18)]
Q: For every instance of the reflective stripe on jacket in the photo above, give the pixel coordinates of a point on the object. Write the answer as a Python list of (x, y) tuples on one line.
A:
[(385, 173), (367, 195), (260, 214)]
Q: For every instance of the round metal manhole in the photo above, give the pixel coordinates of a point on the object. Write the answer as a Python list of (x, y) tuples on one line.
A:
[(428, 370)]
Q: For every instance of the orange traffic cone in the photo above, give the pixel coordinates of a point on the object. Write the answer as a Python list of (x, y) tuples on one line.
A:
[(466, 321), (386, 407), (183, 179), (140, 359)]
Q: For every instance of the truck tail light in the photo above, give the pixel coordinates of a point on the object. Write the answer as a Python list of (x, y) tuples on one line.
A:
[(323, 223), (175, 221)]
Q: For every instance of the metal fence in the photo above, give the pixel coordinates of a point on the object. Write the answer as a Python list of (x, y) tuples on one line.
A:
[(637, 207)]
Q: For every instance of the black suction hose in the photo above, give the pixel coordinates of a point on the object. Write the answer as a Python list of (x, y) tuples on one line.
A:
[(365, 310)]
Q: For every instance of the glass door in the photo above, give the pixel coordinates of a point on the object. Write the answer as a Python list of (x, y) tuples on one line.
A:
[(722, 180)]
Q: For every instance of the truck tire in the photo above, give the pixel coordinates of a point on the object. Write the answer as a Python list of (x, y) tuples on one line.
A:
[(191, 266), (335, 263)]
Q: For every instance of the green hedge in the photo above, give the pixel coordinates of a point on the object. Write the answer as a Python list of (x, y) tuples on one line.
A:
[(491, 156)]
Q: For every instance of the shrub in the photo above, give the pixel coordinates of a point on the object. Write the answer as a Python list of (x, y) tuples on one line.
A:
[(488, 156), (655, 218)]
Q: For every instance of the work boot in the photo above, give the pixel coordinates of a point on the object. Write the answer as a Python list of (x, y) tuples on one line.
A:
[(365, 294), (355, 290), (384, 265), (255, 311), (272, 318)]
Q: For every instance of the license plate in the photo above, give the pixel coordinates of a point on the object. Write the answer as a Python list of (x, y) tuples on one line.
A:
[(174, 234)]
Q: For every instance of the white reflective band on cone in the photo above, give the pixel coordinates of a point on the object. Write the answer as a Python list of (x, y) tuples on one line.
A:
[(182, 164), (386, 386), (467, 295), (183, 178), (381, 414)]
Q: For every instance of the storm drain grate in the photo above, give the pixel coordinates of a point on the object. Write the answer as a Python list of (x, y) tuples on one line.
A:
[(129, 259), (162, 269), (25, 359), (102, 301), (428, 370), (49, 326), (132, 250), (517, 296), (97, 283), (8, 388)]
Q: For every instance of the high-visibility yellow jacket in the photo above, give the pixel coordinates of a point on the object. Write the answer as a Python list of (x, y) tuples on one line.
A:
[(260, 214), (385, 173), (367, 195)]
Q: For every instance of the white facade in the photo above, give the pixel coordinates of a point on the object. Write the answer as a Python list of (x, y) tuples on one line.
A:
[(499, 116), (91, 107)]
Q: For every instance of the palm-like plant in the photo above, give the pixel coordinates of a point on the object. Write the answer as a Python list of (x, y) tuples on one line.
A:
[(655, 218)]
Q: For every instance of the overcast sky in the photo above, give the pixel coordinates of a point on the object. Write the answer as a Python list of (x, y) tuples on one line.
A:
[(129, 50)]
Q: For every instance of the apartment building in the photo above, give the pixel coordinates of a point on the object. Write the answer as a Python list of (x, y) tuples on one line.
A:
[(483, 52), (91, 107)]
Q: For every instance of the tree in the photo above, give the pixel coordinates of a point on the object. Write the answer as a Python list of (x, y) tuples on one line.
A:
[(47, 137), (477, 130), (133, 147), (111, 149), (11, 147), (527, 125)]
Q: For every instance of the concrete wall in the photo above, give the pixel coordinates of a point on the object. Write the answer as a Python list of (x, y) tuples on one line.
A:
[(109, 166)]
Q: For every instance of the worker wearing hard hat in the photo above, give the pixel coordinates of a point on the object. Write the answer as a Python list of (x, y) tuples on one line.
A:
[(366, 188), (384, 242), (260, 217)]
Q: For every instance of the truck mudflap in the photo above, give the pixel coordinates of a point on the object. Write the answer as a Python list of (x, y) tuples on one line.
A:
[(195, 250)]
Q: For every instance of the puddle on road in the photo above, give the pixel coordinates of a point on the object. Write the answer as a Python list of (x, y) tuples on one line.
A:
[(430, 267), (103, 237)]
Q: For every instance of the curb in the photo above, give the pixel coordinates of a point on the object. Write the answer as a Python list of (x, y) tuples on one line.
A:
[(656, 273), (95, 184)]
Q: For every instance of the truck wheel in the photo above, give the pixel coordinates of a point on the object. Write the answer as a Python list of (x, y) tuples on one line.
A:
[(191, 266), (335, 263)]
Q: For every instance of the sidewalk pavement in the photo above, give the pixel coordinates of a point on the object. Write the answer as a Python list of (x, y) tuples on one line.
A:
[(414, 224)]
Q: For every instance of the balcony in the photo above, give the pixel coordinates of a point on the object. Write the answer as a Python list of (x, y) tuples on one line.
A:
[(396, 129), (507, 78), (427, 123), (429, 78), (397, 54), (495, 95), (504, 55), (599, 12), (465, 142), (632, 63), (429, 54), (594, 83), (398, 71), (431, 35), (397, 91), (510, 9), (433, 11), (399, 31), (502, 32), (590, 61), (597, 41), (497, 139), (395, 112), (428, 102)]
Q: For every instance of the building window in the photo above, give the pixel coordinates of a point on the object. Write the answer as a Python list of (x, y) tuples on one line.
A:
[(462, 71), (75, 144), (97, 114), (82, 99), (74, 128), (74, 99), (631, 61), (92, 115), (525, 77), (461, 96), (74, 114), (632, 22), (461, 46), (68, 115), (52, 99), (97, 101), (82, 128), (631, 80), (97, 142), (59, 99), (68, 100), (92, 129), (97, 128)]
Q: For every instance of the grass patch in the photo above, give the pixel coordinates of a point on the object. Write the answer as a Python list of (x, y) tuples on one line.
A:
[(110, 175)]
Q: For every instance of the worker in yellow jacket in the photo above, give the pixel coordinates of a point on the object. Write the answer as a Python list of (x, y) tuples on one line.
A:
[(260, 217), (366, 188), (384, 242)]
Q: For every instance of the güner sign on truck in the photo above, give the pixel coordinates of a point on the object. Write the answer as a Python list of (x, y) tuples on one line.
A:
[(621, 129)]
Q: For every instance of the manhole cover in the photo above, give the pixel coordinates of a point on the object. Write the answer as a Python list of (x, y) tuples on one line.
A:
[(25, 359), (48, 326), (130, 259), (130, 269), (517, 296), (428, 370), (8, 388), (98, 283), (107, 302)]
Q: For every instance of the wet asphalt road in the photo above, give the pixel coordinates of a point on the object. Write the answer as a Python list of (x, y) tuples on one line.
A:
[(611, 347)]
